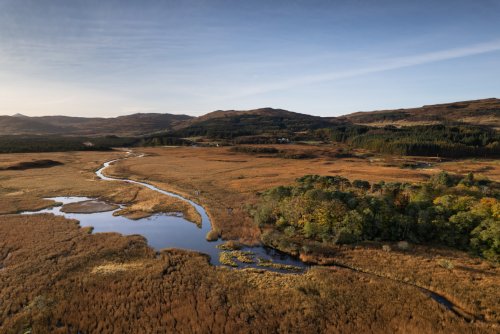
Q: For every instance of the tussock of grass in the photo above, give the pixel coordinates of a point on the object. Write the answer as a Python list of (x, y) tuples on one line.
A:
[(227, 259), (229, 245), (243, 256), (112, 267), (447, 264), (269, 264)]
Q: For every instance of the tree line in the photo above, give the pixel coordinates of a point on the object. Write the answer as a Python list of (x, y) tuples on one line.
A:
[(24, 144), (426, 140)]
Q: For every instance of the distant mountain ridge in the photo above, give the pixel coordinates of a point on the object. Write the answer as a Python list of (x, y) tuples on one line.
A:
[(234, 123)]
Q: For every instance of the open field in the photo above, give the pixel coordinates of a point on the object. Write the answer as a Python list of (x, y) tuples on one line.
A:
[(47, 263), (73, 280)]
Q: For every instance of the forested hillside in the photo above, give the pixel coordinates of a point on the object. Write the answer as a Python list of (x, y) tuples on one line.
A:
[(425, 140), (460, 129), (267, 121)]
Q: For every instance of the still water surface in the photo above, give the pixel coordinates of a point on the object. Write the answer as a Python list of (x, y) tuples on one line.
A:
[(164, 230)]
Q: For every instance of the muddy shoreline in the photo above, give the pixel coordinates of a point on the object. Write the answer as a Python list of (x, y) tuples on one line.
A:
[(89, 206)]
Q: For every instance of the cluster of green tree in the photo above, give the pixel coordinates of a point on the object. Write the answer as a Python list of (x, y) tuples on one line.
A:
[(51, 143), (341, 133), (428, 140), (461, 213), (15, 144)]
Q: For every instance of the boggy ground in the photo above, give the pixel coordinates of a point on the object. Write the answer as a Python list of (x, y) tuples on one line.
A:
[(58, 278), (225, 182), (22, 190)]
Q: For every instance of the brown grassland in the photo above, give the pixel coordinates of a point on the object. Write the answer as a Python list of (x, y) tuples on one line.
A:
[(56, 277), (26, 190)]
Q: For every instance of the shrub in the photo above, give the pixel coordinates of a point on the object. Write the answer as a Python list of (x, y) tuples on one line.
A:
[(360, 184), (227, 259), (289, 231), (441, 179), (404, 245), (447, 264), (229, 245)]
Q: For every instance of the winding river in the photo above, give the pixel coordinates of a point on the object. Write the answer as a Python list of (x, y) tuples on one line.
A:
[(168, 230)]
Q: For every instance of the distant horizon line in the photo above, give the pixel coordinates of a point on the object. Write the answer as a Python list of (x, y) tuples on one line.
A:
[(18, 114)]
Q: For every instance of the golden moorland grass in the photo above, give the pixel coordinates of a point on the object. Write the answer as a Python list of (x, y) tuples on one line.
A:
[(57, 278), (120, 285)]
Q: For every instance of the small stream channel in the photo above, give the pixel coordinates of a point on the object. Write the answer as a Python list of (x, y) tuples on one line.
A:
[(171, 230)]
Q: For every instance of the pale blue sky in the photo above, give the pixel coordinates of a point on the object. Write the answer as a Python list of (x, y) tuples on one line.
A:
[(108, 58)]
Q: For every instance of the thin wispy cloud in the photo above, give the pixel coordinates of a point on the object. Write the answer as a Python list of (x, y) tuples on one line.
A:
[(384, 65), (109, 57)]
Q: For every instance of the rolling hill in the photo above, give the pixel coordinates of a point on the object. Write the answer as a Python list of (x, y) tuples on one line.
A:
[(484, 112), (129, 125), (235, 123), (264, 121)]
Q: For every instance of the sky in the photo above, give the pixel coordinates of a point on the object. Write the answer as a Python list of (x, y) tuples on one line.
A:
[(328, 58)]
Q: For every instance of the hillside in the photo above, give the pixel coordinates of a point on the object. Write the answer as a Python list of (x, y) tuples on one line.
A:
[(130, 125), (476, 112), (264, 121)]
